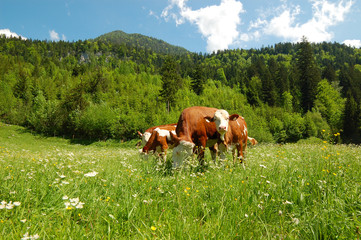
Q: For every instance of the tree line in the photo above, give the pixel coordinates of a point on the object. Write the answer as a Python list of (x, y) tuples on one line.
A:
[(101, 89)]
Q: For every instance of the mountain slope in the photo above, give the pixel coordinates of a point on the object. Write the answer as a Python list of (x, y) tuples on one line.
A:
[(141, 41)]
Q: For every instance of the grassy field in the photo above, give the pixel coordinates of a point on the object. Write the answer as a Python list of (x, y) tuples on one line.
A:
[(53, 188)]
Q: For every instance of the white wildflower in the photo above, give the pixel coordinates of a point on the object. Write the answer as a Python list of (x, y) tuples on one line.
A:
[(9, 205), (79, 205), (287, 202), (263, 166), (246, 215), (30, 237), (74, 201), (17, 204), (295, 221), (91, 174), (23, 220), (148, 201), (65, 197)]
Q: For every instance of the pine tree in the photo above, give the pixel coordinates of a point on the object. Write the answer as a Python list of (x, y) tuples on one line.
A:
[(171, 81), (198, 79), (351, 120), (309, 74)]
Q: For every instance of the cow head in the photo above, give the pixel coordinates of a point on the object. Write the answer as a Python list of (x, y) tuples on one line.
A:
[(221, 118), (145, 138)]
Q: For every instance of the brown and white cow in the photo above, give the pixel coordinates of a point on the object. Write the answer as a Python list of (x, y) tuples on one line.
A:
[(147, 133), (236, 139), (160, 141), (197, 128)]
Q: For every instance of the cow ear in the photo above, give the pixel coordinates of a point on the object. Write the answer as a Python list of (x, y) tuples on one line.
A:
[(233, 117), (209, 119)]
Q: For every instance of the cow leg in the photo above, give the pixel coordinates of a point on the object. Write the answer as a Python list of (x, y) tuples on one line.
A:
[(222, 151), (240, 156), (164, 152), (213, 151), (201, 148), (234, 154)]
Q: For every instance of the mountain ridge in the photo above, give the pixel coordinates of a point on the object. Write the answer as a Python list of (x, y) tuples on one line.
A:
[(141, 41)]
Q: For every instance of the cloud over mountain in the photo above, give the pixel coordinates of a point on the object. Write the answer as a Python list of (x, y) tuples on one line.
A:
[(221, 24), (9, 33), (217, 23)]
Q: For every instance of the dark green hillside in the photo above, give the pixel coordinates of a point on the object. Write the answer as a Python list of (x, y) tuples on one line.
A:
[(119, 83), (136, 40)]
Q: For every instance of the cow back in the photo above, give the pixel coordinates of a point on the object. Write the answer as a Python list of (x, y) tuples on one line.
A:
[(192, 124)]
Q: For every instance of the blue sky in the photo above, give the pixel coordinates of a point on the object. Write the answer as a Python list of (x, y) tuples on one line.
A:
[(197, 25)]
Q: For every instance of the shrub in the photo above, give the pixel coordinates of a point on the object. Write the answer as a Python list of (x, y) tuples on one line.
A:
[(44, 117), (98, 121)]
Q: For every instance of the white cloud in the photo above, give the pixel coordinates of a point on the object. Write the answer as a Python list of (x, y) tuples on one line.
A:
[(353, 43), (325, 15), (8, 34), (151, 13), (217, 23), (54, 36)]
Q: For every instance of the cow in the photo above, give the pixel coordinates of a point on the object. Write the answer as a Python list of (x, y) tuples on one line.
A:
[(160, 141), (147, 133), (236, 139), (198, 128)]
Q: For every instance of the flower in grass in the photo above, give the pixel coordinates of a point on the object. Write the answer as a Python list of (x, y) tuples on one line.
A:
[(30, 237), (9, 205), (295, 221), (91, 174), (262, 166), (73, 203), (23, 220), (288, 202), (153, 228)]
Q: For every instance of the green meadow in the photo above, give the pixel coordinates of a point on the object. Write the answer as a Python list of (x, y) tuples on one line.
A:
[(54, 188)]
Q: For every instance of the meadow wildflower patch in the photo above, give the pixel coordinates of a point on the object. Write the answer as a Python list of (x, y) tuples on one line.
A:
[(61, 190)]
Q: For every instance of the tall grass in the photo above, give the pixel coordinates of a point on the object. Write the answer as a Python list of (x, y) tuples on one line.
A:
[(292, 191)]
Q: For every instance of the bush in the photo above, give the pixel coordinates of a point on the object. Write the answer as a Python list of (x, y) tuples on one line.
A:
[(44, 117), (97, 121), (316, 126)]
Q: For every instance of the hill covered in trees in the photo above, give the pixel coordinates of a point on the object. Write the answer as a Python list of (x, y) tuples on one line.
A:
[(136, 40), (110, 87)]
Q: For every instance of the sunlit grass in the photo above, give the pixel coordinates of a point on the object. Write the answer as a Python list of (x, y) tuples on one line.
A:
[(105, 190)]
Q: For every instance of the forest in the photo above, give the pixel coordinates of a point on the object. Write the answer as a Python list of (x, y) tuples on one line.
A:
[(117, 84)]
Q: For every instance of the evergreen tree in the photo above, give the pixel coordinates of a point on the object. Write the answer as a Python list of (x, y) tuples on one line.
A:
[(309, 74), (329, 73), (171, 81), (351, 120), (198, 79)]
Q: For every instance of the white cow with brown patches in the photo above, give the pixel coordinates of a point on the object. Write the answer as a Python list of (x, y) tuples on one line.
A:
[(160, 141)]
